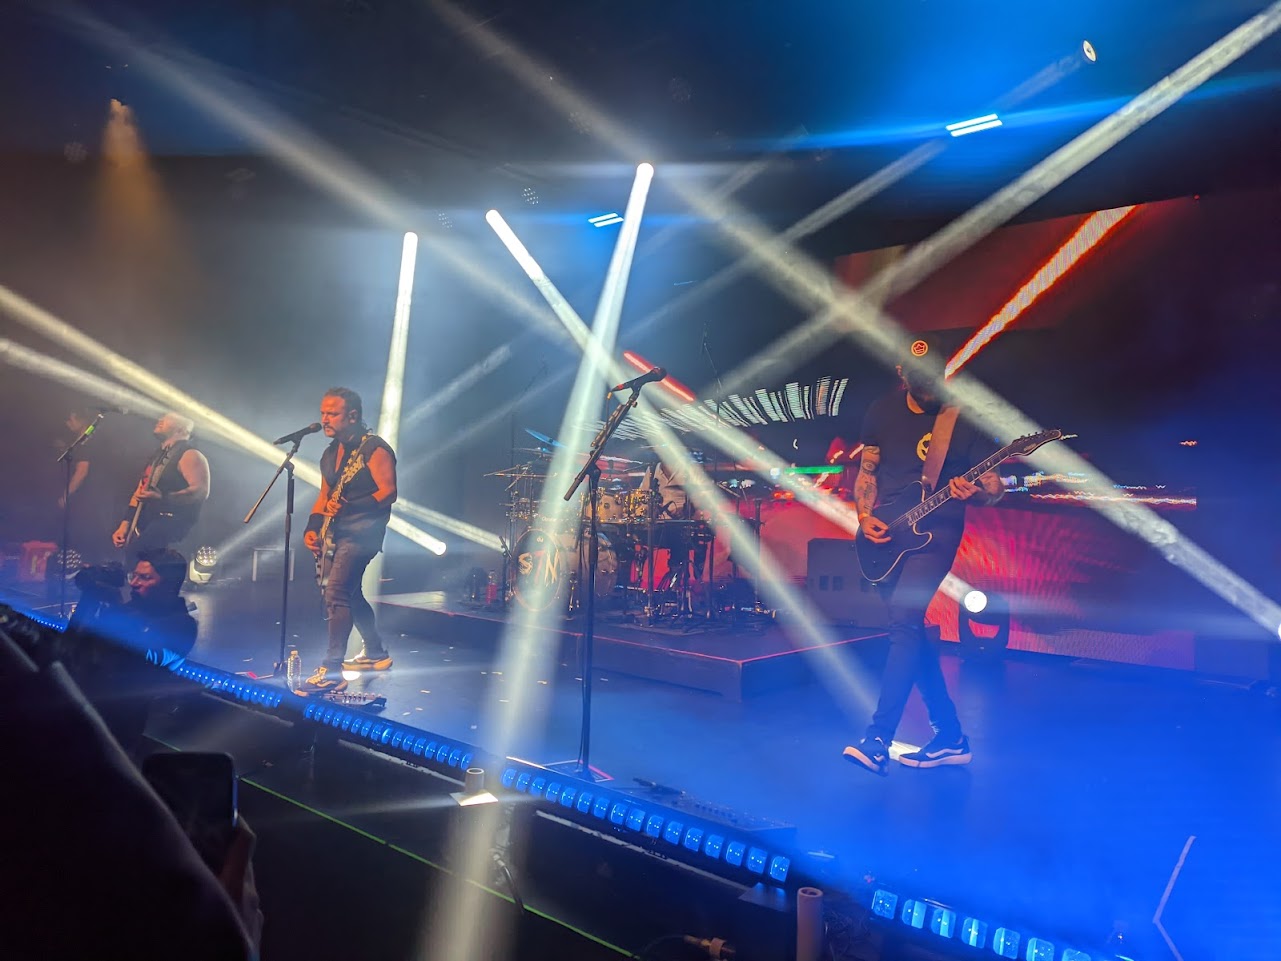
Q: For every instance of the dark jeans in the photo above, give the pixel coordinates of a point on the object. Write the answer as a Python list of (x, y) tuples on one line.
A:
[(914, 657), (161, 531), (345, 603)]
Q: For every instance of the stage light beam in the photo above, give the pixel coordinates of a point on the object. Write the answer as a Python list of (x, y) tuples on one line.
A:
[(394, 384)]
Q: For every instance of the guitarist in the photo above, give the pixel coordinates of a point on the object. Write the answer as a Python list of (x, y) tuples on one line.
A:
[(170, 493), (358, 487), (897, 434)]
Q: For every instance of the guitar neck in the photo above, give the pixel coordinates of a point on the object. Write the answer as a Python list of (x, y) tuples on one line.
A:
[(944, 494)]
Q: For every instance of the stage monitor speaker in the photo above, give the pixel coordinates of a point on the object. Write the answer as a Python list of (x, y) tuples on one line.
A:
[(837, 589)]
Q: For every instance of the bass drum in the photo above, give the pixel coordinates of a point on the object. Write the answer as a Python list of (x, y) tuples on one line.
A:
[(545, 566), (606, 565)]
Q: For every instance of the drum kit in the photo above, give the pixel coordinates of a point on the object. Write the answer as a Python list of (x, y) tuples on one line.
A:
[(655, 558)]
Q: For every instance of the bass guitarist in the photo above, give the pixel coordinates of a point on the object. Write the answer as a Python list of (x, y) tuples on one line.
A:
[(900, 433), (345, 532), (170, 493)]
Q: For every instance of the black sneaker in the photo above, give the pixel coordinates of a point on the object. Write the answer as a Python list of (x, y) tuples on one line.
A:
[(323, 683), (940, 751), (363, 662), (871, 753)]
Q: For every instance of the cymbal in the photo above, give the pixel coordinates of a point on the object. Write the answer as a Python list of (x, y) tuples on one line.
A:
[(517, 472), (542, 437)]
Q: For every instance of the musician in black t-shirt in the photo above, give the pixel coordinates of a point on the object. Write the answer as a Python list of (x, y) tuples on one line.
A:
[(897, 434), (171, 491), (76, 423), (358, 487)]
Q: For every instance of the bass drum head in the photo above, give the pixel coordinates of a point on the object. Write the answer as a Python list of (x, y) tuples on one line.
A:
[(541, 569)]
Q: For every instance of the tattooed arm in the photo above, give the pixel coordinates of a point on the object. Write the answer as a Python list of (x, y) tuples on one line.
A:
[(865, 496), (987, 491), (993, 489)]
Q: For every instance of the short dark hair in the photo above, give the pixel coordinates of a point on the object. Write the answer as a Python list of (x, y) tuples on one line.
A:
[(349, 397), (168, 563)]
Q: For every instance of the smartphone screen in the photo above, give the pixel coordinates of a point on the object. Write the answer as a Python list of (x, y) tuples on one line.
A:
[(200, 791)]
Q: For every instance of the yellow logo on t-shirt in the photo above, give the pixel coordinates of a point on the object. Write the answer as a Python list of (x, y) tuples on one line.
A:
[(923, 445)]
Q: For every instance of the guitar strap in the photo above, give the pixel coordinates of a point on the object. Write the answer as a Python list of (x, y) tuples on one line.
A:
[(940, 439), (158, 465), (352, 465)]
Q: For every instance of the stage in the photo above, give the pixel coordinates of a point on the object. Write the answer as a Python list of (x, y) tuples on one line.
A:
[(1089, 778), (736, 658)]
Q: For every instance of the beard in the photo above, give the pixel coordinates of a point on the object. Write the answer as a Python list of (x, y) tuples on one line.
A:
[(925, 397)]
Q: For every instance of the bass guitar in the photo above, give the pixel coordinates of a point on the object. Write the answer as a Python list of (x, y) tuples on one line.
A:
[(150, 481), (878, 561)]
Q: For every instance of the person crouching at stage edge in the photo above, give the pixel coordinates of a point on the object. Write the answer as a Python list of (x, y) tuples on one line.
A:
[(171, 491), (116, 650), (358, 487), (897, 434)]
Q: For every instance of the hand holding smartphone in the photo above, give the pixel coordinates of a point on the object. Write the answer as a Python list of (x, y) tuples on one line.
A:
[(200, 791)]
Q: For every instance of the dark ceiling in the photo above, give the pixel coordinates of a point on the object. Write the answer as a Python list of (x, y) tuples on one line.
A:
[(829, 89)]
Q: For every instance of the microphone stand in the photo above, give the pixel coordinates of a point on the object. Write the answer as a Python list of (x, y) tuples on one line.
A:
[(720, 399), (591, 471), (65, 458), (287, 467)]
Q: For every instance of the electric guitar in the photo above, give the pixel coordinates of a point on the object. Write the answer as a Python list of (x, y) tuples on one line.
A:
[(139, 506), (328, 546), (878, 561)]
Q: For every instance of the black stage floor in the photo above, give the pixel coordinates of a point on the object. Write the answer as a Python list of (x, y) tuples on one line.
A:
[(1089, 780)]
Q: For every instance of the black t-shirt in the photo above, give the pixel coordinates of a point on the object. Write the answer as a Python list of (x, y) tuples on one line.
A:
[(903, 437), (362, 518)]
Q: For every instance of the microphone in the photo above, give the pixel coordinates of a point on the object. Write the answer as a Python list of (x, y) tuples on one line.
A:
[(297, 435), (657, 373)]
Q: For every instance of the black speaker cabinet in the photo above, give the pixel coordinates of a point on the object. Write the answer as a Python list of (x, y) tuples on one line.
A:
[(835, 586)]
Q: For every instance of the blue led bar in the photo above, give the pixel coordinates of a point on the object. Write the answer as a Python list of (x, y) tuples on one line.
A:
[(665, 831), (945, 922)]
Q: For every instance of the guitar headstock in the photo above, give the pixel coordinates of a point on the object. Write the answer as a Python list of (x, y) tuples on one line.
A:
[(1022, 446)]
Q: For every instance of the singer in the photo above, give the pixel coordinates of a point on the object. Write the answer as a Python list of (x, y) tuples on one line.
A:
[(345, 532), (171, 491)]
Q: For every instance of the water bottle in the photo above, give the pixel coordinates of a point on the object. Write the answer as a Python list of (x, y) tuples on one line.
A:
[(293, 670), (491, 588)]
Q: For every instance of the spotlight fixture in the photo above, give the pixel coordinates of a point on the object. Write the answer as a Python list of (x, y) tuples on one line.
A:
[(446, 221), (983, 624), (1087, 48), (605, 220), (203, 562), (975, 602), (530, 195), (962, 127), (54, 566)]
